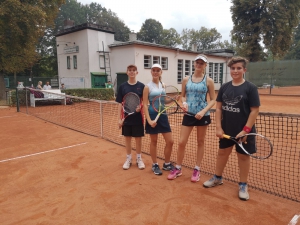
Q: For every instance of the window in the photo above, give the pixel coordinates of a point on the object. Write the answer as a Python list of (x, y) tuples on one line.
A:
[(68, 62), (187, 67), (101, 61), (221, 73), (210, 72), (193, 67), (147, 61), (75, 61), (216, 72), (179, 70), (156, 59), (164, 63)]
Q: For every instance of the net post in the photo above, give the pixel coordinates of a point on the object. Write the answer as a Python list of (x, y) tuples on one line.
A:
[(101, 120), (26, 100), (17, 99)]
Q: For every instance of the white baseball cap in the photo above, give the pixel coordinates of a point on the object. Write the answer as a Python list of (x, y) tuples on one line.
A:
[(156, 65), (201, 57)]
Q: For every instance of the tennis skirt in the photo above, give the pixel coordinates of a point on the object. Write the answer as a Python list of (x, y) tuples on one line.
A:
[(162, 126), (192, 121)]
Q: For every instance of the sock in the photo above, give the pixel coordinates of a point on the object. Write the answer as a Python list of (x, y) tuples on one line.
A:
[(139, 156), (219, 177), (129, 156), (178, 167), (197, 168), (242, 183), (154, 164), (167, 163)]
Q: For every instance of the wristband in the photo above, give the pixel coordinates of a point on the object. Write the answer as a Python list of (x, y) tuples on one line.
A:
[(184, 103), (247, 129)]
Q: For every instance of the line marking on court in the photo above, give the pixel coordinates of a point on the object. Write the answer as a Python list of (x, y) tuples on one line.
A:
[(39, 153), (294, 220), (6, 116)]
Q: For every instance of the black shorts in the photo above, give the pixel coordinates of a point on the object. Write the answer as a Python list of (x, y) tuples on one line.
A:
[(250, 146), (133, 130), (192, 121), (162, 126)]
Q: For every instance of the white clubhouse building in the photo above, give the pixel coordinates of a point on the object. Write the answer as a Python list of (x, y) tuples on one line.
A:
[(88, 56)]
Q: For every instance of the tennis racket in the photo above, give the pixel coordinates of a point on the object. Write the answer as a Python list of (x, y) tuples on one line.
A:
[(164, 104), (263, 145), (172, 91), (129, 105)]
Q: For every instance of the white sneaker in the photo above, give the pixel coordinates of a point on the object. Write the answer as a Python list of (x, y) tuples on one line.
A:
[(140, 163), (127, 164), (243, 192)]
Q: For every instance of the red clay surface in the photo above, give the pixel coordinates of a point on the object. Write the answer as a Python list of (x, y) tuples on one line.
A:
[(53, 175)]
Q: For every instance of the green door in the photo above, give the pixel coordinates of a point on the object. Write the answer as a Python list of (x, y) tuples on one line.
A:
[(121, 78), (98, 79)]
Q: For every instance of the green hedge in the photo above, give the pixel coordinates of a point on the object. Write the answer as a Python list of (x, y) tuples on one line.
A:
[(92, 93)]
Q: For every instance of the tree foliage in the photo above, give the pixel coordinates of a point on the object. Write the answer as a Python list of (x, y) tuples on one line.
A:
[(294, 51), (22, 23), (204, 38), (264, 25), (170, 37), (151, 31)]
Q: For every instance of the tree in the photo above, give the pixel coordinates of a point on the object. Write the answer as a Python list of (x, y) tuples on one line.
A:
[(261, 25), (110, 19), (170, 37), (204, 38), (151, 31), (22, 23), (294, 51)]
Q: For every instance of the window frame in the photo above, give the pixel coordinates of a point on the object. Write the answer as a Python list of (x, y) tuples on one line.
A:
[(187, 67), (68, 62), (179, 72), (156, 59), (147, 65), (164, 65), (75, 61)]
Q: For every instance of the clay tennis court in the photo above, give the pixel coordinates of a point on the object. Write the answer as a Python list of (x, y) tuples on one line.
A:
[(53, 175)]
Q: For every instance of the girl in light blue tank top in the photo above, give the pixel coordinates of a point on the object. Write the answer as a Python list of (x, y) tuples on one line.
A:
[(194, 91), (196, 95)]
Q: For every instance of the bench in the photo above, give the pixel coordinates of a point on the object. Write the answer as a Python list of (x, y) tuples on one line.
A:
[(52, 95)]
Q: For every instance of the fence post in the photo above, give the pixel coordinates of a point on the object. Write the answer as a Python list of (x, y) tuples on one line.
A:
[(17, 99)]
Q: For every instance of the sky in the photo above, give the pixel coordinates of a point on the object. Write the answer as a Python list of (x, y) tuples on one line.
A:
[(178, 14)]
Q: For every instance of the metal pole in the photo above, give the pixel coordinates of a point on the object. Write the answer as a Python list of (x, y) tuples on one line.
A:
[(17, 99)]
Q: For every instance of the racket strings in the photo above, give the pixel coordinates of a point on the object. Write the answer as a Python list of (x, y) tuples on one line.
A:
[(172, 91), (131, 102), (164, 103), (263, 147)]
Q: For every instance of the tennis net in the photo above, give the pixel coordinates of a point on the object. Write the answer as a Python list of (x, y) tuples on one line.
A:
[(278, 175)]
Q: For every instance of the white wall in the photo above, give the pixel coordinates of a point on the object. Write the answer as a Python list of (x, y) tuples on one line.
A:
[(80, 39), (124, 55), (90, 42)]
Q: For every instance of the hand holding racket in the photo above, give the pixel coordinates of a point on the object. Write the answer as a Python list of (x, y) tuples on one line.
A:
[(131, 104), (164, 104), (264, 147)]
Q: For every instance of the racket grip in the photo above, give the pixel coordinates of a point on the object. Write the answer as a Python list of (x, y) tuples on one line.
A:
[(156, 118), (226, 136)]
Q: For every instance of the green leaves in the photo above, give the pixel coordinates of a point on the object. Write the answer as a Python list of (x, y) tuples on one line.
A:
[(151, 31), (261, 25)]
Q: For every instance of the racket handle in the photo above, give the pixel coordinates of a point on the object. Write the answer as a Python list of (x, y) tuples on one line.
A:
[(226, 136), (156, 118)]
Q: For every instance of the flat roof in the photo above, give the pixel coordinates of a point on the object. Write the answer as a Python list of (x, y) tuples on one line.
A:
[(84, 26), (213, 52)]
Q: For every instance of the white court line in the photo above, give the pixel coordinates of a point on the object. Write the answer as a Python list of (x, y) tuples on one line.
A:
[(6, 116), (39, 153), (294, 220)]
